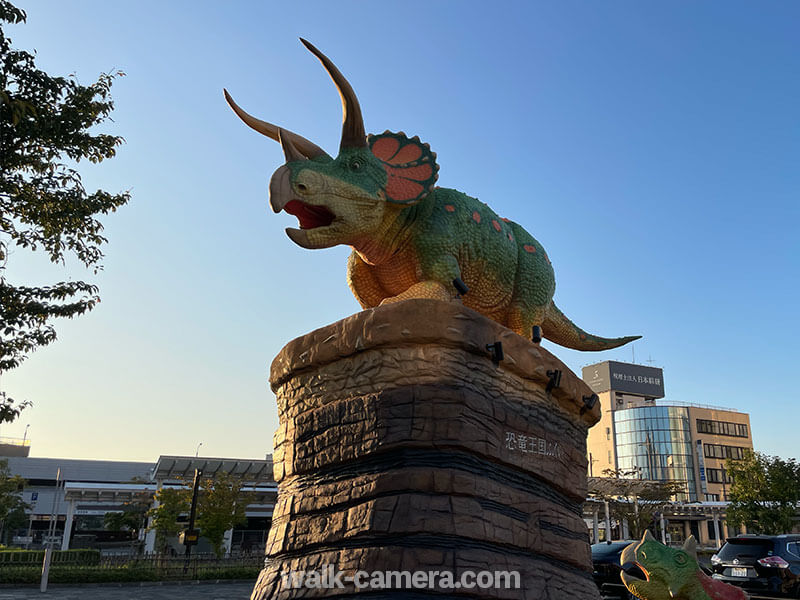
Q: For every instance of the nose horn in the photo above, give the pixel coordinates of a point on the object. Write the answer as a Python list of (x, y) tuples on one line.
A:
[(290, 151)]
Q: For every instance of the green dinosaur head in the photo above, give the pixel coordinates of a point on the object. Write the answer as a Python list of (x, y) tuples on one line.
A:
[(355, 196), (671, 573)]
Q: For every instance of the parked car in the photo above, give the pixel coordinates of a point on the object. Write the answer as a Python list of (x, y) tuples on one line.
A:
[(606, 568), (760, 563)]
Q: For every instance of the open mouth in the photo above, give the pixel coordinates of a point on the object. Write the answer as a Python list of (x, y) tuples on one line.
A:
[(310, 216), (633, 571)]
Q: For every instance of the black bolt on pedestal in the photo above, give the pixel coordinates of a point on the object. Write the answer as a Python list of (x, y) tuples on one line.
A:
[(589, 402), (496, 350), (555, 379)]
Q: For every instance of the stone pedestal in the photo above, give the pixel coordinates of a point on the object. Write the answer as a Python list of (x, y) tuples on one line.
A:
[(403, 447)]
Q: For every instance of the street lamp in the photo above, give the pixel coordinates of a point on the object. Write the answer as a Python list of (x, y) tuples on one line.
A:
[(196, 452)]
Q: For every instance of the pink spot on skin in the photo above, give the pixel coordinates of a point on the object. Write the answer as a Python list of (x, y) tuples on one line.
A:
[(719, 590), (496, 225), (506, 220), (529, 248), (510, 238), (449, 208), (476, 217)]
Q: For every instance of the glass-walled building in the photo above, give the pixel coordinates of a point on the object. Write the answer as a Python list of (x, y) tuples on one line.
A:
[(656, 441), (662, 440)]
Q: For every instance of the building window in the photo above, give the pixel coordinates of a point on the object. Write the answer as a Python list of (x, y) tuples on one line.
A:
[(723, 452), (718, 476), (609, 457), (608, 433), (722, 428), (712, 497)]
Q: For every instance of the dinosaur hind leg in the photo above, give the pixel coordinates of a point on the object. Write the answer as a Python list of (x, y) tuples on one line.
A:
[(521, 319)]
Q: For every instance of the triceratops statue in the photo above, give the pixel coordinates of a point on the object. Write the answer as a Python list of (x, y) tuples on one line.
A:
[(671, 573), (411, 239)]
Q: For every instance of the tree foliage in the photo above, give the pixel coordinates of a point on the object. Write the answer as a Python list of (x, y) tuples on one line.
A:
[(132, 517), (171, 503), (221, 507), (764, 494), (10, 496), (46, 128), (635, 500)]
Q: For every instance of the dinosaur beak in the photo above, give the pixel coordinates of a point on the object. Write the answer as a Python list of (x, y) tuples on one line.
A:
[(628, 555), (353, 134), (280, 189)]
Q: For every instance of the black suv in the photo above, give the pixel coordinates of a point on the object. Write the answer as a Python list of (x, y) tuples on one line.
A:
[(769, 563), (606, 568)]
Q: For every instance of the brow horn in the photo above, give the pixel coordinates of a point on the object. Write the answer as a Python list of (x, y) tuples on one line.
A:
[(353, 135), (303, 146)]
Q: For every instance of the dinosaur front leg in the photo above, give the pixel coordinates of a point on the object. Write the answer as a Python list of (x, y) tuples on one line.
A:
[(363, 283), (444, 268), (432, 290)]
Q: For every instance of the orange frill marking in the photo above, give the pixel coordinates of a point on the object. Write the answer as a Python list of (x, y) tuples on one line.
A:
[(385, 148)]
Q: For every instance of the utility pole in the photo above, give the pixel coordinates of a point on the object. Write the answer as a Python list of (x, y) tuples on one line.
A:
[(51, 532), (190, 536)]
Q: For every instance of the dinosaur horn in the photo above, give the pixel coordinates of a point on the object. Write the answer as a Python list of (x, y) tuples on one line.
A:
[(290, 151), (353, 135), (306, 148)]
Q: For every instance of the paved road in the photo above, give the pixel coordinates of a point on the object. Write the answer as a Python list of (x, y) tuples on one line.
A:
[(204, 591)]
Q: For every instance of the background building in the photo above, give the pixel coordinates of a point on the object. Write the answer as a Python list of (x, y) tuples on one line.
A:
[(75, 495), (664, 440)]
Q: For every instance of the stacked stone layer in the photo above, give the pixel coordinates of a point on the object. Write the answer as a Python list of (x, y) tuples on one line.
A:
[(403, 447)]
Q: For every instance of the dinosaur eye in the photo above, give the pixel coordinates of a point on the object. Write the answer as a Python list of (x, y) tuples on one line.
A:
[(355, 165)]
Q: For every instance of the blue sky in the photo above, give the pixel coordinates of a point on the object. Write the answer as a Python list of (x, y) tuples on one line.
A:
[(651, 148)]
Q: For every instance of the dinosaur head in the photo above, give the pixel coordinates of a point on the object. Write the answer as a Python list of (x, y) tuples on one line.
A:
[(356, 195), (668, 570)]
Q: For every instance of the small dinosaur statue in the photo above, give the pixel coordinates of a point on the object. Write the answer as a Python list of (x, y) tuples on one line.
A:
[(672, 574), (411, 239)]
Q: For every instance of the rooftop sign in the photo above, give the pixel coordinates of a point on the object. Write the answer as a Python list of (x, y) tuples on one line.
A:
[(625, 377)]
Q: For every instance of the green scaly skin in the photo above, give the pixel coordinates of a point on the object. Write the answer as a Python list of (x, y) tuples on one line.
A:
[(672, 573)]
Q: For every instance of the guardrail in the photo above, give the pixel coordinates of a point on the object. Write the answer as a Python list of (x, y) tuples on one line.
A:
[(10, 441), (696, 405)]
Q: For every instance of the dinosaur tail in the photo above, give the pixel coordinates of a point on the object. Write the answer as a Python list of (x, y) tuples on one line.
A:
[(559, 329)]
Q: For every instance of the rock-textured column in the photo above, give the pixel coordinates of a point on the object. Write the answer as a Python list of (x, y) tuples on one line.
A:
[(403, 447)]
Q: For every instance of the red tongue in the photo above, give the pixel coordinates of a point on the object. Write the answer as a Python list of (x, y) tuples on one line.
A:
[(310, 216)]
